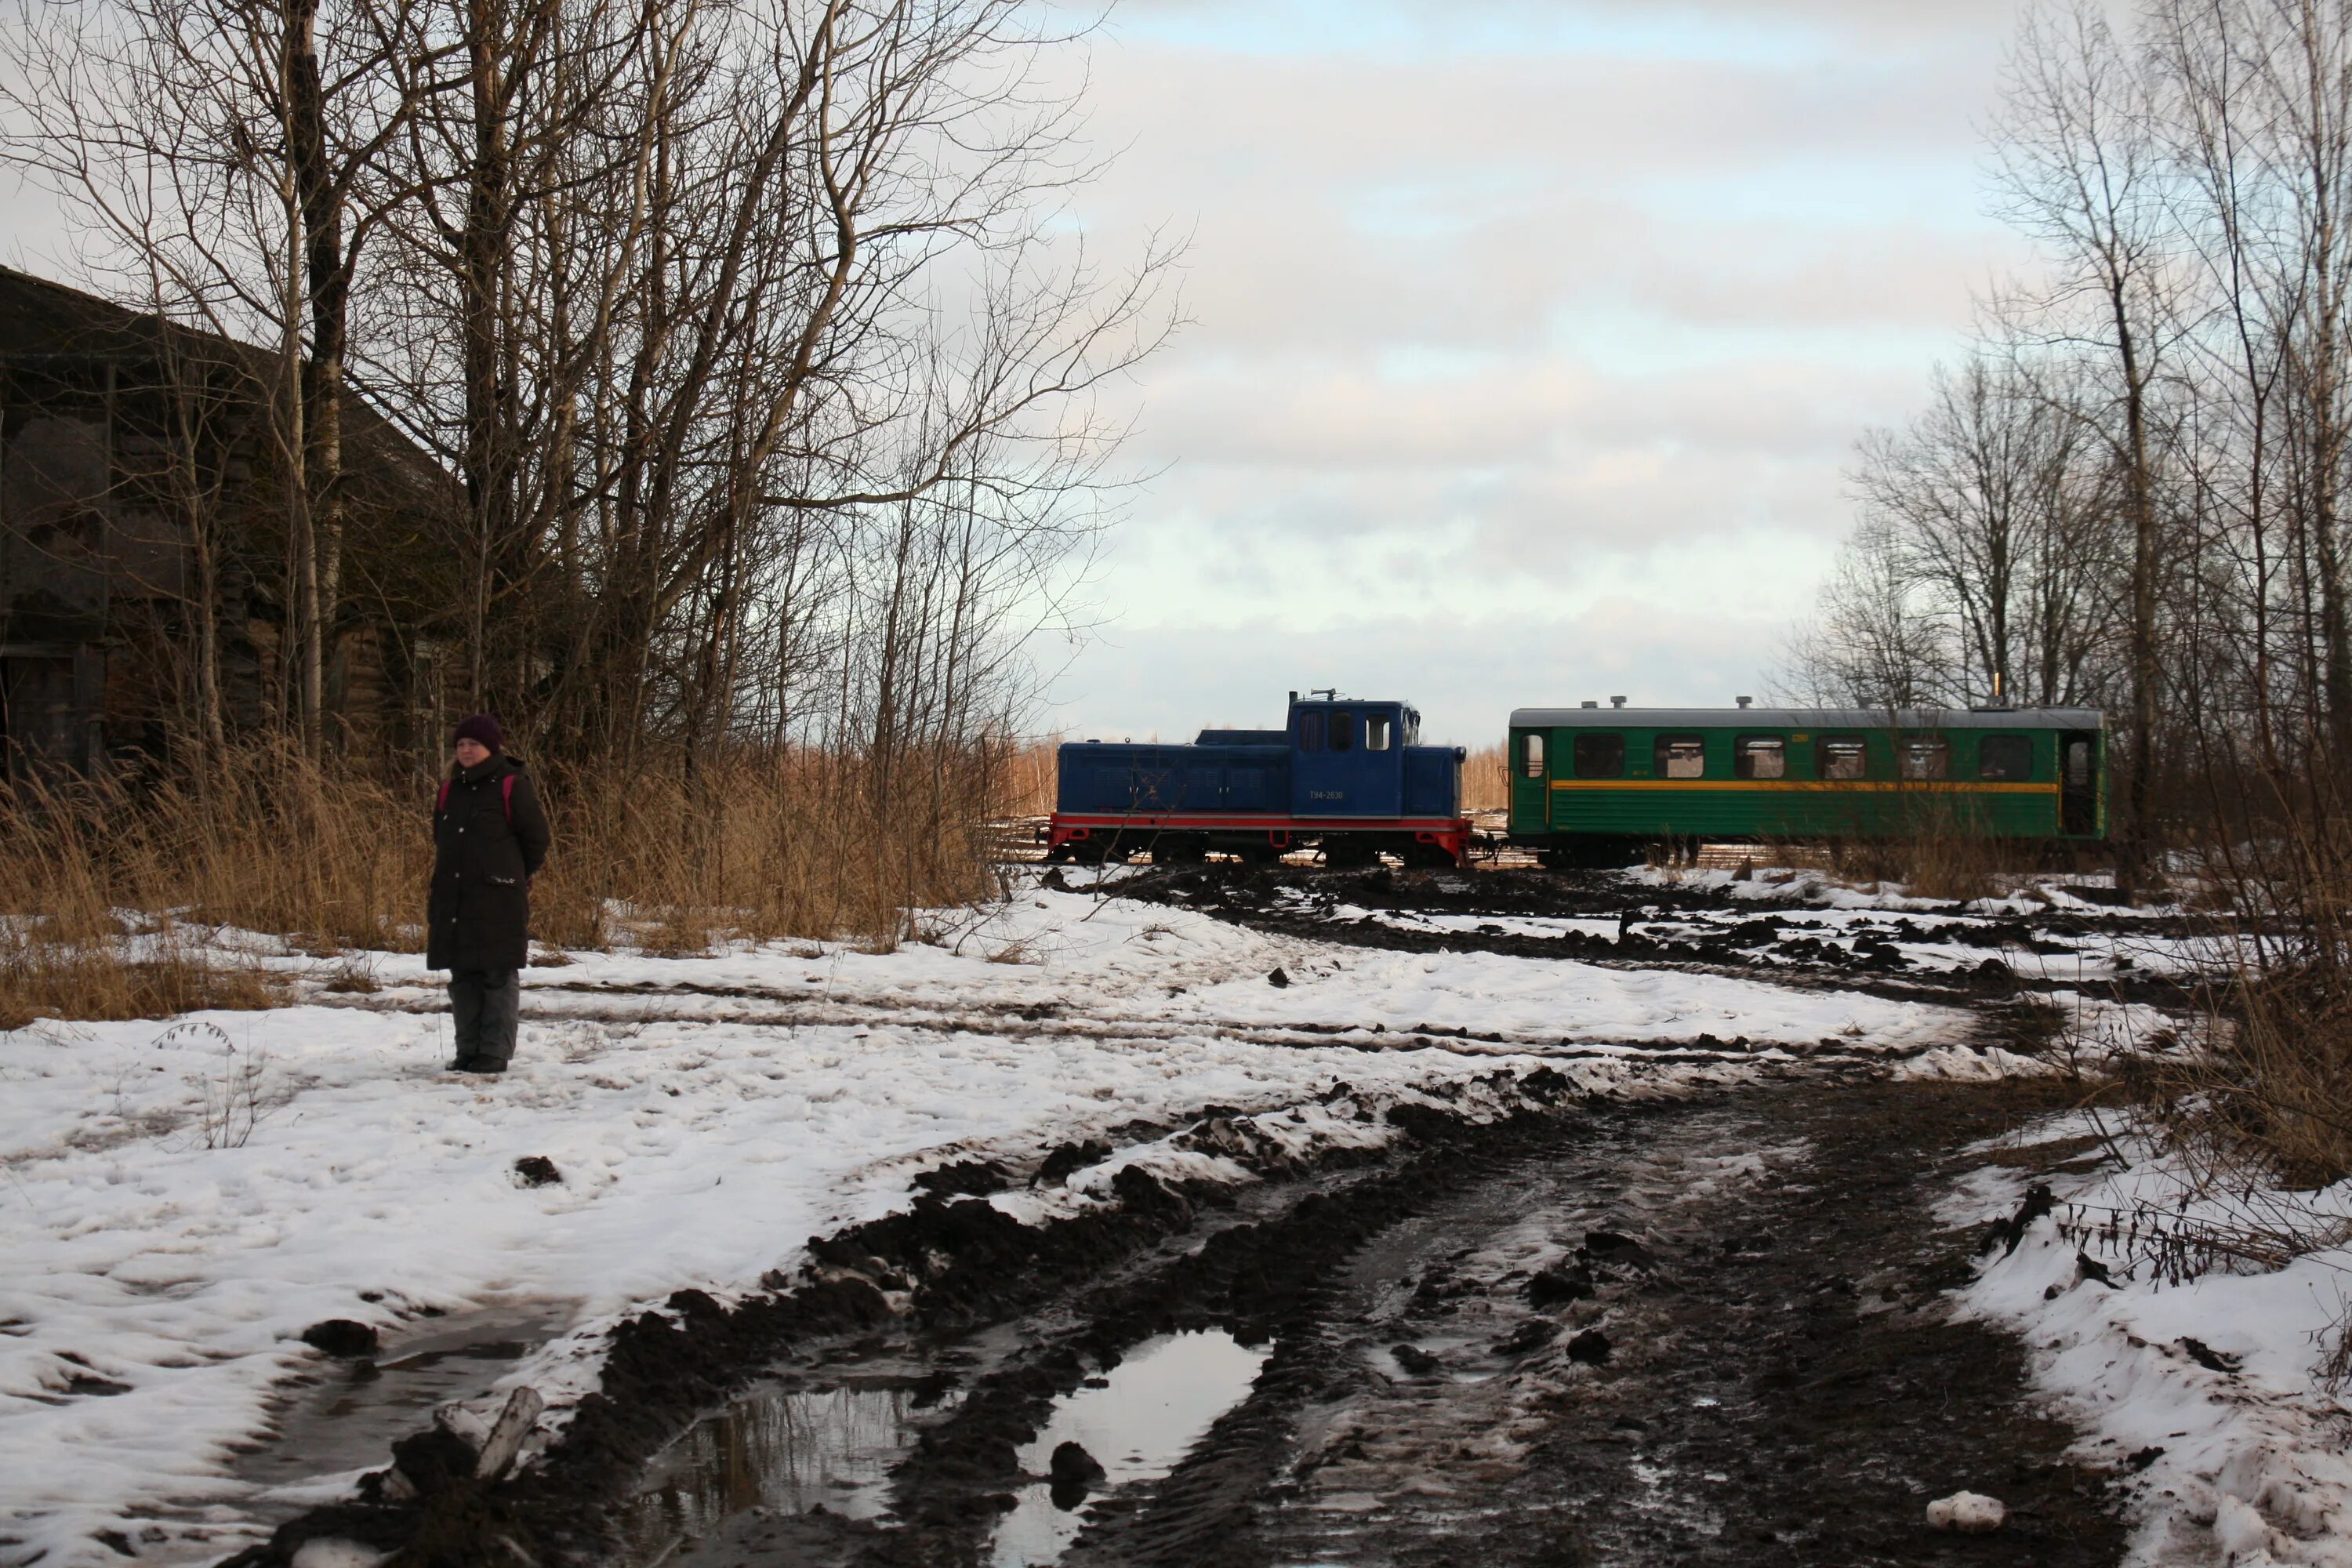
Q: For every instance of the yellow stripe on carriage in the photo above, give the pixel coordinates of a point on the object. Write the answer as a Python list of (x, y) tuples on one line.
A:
[(1833, 786)]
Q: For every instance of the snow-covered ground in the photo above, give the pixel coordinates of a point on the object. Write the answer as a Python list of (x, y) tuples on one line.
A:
[(2205, 1392), (183, 1197), (1930, 935)]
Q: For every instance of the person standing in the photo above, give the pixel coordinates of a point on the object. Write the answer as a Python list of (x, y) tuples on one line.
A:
[(489, 839)]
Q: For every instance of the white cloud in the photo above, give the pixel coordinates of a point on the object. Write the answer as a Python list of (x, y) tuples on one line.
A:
[(1530, 340)]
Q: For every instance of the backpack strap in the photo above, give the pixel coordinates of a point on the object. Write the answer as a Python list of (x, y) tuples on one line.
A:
[(506, 797)]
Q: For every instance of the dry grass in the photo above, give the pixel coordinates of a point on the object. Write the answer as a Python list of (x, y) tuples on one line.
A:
[(106, 895), (1930, 865), (1030, 768), (1485, 779), (2269, 1096), (77, 980), (1943, 856)]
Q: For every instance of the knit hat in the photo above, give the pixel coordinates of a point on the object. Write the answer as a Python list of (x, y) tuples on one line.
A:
[(482, 727)]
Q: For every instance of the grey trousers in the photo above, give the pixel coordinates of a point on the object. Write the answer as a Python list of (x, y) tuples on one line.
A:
[(485, 1004)]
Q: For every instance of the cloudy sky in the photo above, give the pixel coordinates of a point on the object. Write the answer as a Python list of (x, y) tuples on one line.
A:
[(1528, 338), (1531, 337)]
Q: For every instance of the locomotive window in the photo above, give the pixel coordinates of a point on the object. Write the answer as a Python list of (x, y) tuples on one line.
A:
[(1841, 757), (1310, 731), (1923, 757), (1759, 757), (1600, 756), (1377, 731), (1532, 756), (2005, 757), (1681, 757), (1343, 729)]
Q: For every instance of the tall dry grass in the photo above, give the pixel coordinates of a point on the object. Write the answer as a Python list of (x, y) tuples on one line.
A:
[(109, 894), (1486, 779), (2269, 1094), (1030, 770)]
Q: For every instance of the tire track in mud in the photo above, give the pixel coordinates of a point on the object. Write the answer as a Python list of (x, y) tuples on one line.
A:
[(1781, 1383)]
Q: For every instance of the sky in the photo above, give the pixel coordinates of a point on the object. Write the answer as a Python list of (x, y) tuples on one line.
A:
[(1528, 340)]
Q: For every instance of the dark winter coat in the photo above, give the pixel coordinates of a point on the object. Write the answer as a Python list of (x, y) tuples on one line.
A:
[(478, 916)]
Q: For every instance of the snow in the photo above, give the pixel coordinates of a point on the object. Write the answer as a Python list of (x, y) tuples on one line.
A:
[(708, 1116), (1968, 1513), (2240, 1461)]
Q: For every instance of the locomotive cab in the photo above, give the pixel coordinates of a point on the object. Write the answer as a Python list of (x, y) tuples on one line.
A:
[(1347, 758)]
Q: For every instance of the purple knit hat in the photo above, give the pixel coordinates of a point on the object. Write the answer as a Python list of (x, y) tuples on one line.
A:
[(482, 727)]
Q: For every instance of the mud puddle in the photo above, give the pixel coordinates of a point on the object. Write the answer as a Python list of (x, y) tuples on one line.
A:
[(347, 1421), (778, 1449), (337, 1423), (1134, 1423)]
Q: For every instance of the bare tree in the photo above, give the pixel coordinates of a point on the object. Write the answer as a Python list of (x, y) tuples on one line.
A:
[(2080, 168)]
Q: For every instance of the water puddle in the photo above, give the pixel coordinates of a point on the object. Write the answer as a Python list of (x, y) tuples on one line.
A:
[(1151, 1409), (349, 1420), (788, 1449)]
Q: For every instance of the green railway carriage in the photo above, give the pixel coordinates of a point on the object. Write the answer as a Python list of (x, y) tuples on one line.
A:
[(1589, 782)]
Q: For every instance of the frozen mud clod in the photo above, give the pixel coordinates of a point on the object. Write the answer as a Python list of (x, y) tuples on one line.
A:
[(536, 1171)]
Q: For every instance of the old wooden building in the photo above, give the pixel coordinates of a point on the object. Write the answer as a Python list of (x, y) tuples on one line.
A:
[(142, 543)]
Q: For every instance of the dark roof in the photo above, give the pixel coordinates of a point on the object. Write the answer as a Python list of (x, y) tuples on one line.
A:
[(1808, 718), (41, 319)]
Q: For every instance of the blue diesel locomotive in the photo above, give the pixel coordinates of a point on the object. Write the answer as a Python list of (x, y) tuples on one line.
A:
[(1350, 778)]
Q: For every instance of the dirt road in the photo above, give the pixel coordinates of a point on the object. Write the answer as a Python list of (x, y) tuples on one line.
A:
[(1709, 1329), (1707, 1332)]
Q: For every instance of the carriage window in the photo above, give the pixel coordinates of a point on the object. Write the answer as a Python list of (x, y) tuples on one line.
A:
[(1681, 757), (1759, 757), (1532, 756), (1600, 756), (1343, 729), (1310, 731), (1841, 757), (1378, 729), (2005, 757), (1923, 757), (2078, 764)]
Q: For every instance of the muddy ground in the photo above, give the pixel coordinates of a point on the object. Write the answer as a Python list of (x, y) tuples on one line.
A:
[(1711, 1331), (1793, 937), (1781, 1381)]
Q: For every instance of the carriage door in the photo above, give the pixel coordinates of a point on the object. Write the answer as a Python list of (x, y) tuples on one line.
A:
[(2078, 783)]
